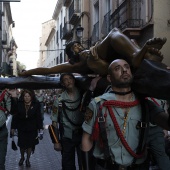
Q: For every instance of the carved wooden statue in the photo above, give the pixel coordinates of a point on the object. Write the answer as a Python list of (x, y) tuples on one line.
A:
[(116, 45), (97, 59)]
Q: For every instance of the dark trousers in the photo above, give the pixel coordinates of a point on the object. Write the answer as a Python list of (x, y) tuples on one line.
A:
[(107, 165), (68, 153), (156, 144), (3, 146), (98, 167)]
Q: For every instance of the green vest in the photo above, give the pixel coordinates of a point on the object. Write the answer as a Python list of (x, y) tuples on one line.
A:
[(118, 152), (75, 116), (6, 105)]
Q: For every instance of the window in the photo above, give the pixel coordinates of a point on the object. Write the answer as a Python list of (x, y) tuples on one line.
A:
[(61, 58), (57, 37), (96, 12), (107, 6)]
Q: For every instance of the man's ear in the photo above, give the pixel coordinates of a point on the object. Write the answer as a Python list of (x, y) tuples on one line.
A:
[(108, 78)]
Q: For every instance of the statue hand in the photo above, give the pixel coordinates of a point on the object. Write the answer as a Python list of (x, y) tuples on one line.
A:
[(84, 53), (94, 83)]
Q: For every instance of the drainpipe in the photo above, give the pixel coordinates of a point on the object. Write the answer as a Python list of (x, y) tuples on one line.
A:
[(88, 16), (1, 38), (147, 11)]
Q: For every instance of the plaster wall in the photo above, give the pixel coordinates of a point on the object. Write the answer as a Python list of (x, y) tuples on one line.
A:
[(161, 27)]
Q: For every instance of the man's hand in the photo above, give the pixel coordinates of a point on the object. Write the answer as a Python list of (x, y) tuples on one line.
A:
[(40, 134), (57, 147)]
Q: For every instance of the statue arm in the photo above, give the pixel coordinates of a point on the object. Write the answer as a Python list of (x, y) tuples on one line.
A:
[(65, 67)]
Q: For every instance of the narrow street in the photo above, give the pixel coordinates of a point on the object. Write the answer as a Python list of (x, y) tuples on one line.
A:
[(45, 157)]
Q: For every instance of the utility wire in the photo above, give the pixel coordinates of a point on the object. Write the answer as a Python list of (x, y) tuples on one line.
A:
[(41, 50)]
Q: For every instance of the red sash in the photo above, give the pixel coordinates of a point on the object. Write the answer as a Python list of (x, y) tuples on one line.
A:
[(120, 104)]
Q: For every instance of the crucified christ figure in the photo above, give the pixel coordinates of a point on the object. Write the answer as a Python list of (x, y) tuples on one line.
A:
[(97, 59)]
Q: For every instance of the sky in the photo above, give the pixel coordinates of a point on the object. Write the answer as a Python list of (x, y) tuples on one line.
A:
[(29, 16)]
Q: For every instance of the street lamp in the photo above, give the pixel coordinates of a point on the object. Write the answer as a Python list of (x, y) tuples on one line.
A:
[(11, 67), (79, 31)]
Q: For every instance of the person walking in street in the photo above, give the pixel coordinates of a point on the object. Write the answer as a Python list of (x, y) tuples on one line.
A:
[(67, 110), (28, 122), (40, 97), (5, 106), (117, 123)]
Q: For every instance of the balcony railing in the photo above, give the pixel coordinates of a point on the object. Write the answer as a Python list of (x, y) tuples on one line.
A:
[(74, 12), (66, 2), (131, 23), (127, 15), (6, 70), (106, 24), (67, 31), (95, 34)]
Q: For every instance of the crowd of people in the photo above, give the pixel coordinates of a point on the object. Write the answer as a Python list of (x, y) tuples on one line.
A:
[(27, 108), (117, 129)]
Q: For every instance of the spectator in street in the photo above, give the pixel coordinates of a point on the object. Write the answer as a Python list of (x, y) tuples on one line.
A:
[(28, 122), (40, 97), (49, 104), (167, 143), (118, 122), (167, 134), (5, 106), (156, 142)]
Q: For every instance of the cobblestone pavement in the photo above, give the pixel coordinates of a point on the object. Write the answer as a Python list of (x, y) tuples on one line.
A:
[(44, 158)]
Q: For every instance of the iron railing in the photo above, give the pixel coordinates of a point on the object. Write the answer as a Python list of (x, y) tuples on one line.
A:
[(127, 15), (95, 33), (74, 8), (67, 31), (106, 24)]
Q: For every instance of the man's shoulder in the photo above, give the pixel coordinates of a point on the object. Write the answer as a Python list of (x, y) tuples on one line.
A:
[(101, 97), (97, 99)]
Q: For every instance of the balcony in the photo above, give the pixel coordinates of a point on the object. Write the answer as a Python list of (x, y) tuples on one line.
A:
[(67, 31), (74, 13), (106, 24), (66, 2), (127, 17), (6, 70), (95, 33)]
